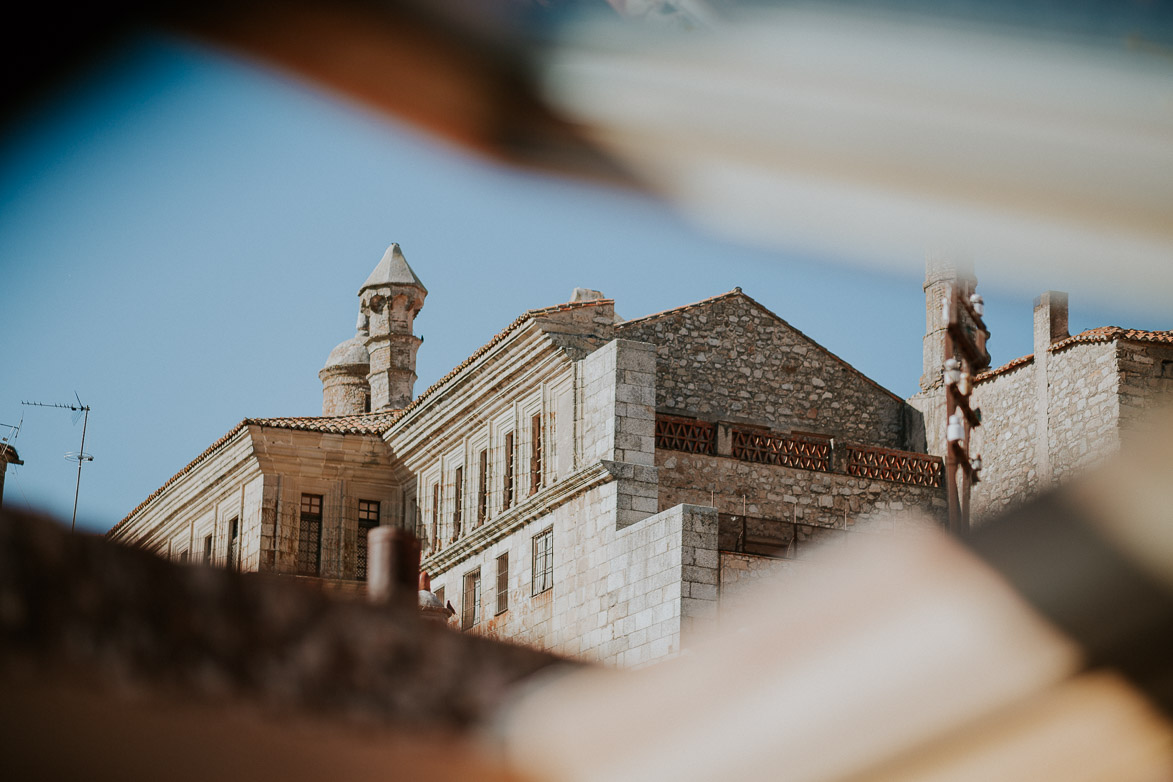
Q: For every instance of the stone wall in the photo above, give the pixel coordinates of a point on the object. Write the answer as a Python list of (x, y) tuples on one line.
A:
[(740, 572), (807, 496), (729, 358), (343, 469), (1005, 440), (1097, 392), (624, 596), (1146, 382), (619, 421), (1083, 407)]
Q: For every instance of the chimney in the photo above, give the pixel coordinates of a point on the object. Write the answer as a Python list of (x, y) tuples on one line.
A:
[(1050, 320)]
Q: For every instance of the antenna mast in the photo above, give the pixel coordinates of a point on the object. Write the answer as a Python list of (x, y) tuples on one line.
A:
[(80, 456)]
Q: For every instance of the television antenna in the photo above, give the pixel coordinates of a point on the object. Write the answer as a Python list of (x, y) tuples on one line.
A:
[(13, 434), (80, 456)]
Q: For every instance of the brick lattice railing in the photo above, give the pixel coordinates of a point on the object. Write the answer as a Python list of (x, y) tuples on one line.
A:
[(686, 434), (917, 469), (763, 447)]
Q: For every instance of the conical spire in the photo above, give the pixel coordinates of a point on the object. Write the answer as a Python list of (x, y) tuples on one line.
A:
[(392, 270)]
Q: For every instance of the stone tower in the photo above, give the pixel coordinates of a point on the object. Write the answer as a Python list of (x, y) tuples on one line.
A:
[(391, 298), (345, 389), (941, 272)]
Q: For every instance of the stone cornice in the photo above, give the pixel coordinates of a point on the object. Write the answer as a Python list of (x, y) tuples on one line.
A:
[(518, 516)]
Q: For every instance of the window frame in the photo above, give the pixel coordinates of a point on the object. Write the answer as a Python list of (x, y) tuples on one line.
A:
[(482, 486), (232, 559), (306, 533), (542, 562), (502, 583), (535, 453), (458, 501), (470, 604), (437, 537), (366, 523), (509, 477)]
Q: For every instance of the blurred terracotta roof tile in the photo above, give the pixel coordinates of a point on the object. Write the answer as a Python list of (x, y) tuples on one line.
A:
[(1100, 334)]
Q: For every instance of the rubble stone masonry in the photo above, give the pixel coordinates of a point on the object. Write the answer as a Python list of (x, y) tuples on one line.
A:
[(807, 496), (729, 358), (1097, 395)]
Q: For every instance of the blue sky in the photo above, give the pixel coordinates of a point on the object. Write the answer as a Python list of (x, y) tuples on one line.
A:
[(182, 237)]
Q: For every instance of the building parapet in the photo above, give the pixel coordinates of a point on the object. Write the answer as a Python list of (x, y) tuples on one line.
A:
[(799, 451)]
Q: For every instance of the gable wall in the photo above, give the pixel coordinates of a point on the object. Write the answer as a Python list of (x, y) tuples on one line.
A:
[(730, 359)]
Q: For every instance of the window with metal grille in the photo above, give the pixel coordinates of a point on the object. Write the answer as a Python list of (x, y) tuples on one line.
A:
[(543, 564), (685, 434), (436, 516), (470, 608), (233, 544), (503, 583), (309, 535), (482, 487), (535, 453), (368, 519), (207, 549), (457, 502), (507, 489)]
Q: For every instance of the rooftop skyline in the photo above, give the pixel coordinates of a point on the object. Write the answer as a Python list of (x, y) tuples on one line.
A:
[(183, 236)]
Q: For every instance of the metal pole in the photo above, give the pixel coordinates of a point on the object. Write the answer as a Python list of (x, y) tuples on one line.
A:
[(80, 458)]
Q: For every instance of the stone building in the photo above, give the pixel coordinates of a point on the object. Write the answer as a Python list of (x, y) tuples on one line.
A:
[(585, 484), (8, 456), (1051, 414)]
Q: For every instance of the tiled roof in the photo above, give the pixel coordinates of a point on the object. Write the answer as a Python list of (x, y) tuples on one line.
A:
[(1100, 334), (524, 318), (1109, 333), (371, 423), (1007, 367)]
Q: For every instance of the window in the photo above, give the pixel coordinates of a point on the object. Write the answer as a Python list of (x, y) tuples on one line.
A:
[(309, 535), (458, 502), (503, 583), (440, 595), (233, 543), (436, 516), (368, 519), (535, 454), (183, 557), (483, 487), (208, 550), (507, 492), (470, 608), (543, 577)]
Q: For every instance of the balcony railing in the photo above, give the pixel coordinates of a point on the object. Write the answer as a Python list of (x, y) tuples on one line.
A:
[(763, 447), (899, 466), (686, 434)]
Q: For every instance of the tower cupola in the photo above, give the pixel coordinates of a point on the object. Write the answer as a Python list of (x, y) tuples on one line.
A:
[(390, 299), (345, 389)]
